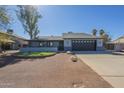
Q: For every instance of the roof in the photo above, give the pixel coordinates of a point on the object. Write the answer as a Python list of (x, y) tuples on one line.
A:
[(14, 35), (78, 35), (119, 40), (69, 35), (50, 38)]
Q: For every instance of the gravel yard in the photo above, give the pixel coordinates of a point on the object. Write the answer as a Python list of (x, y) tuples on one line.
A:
[(56, 71)]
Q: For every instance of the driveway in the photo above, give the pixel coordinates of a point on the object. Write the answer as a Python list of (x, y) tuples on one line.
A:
[(56, 71), (110, 67)]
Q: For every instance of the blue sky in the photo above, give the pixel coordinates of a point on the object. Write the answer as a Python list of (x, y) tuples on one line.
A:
[(59, 19)]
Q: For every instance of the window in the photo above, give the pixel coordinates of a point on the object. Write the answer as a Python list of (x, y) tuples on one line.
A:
[(45, 44), (41, 44), (51, 44)]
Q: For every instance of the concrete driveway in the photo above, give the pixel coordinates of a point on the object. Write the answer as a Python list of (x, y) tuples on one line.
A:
[(110, 67)]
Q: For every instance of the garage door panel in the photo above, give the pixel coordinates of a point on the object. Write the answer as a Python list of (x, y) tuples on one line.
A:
[(83, 45)]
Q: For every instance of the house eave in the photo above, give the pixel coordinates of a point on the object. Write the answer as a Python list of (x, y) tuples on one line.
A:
[(82, 38), (44, 40)]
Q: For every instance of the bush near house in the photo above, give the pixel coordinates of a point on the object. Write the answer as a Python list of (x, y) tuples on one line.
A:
[(5, 39)]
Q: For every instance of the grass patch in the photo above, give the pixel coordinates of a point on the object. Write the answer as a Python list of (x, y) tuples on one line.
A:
[(35, 54)]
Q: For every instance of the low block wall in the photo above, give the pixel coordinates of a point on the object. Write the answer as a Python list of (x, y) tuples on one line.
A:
[(100, 48), (39, 49), (67, 48)]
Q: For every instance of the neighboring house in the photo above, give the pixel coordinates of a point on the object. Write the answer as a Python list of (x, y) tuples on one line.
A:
[(117, 44), (67, 42), (14, 41), (19, 42)]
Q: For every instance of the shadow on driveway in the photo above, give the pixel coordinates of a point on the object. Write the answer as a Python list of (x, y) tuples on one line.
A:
[(7, 60), (10, 60)]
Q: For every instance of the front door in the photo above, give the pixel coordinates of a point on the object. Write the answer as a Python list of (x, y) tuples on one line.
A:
[(61, 46)]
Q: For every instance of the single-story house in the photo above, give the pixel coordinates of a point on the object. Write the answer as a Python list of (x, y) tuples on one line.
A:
[(13, 42), (67, 42), (117, 44)]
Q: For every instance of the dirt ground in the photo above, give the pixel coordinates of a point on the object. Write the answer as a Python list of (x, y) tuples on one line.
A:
[(51, 72)]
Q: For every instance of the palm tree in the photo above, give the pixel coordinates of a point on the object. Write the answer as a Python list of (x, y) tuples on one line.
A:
[(101, 32), (94, 32), (106, 37)]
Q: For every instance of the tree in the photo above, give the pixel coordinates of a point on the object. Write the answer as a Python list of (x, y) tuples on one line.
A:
[(4, 17), (101, 32), (4, 21), (106, 37), (29, 16), (4, 39), (94, 32)]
